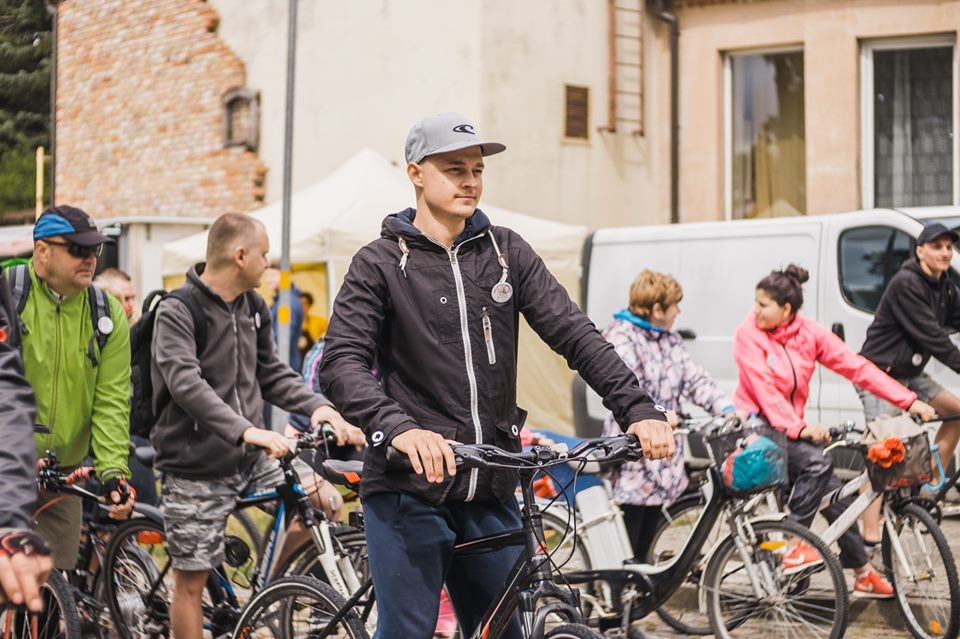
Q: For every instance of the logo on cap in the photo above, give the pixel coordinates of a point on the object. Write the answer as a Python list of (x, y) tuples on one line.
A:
[(464, 128)]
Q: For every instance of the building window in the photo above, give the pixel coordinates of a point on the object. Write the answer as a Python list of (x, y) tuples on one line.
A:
[(578, 112), (241, 118), (909, 115), (764, 135)]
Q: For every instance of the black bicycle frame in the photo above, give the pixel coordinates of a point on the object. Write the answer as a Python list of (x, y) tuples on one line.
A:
[(658, 583)]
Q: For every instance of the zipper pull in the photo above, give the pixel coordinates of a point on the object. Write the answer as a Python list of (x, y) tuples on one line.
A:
[(488, 337)]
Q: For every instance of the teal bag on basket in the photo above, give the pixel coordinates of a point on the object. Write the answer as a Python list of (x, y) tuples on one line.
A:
[(759, 463)]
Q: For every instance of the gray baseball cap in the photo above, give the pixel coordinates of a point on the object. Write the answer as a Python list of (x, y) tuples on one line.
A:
[(445, 132)]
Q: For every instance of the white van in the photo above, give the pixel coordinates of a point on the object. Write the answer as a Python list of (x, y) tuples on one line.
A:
[(850, 257)]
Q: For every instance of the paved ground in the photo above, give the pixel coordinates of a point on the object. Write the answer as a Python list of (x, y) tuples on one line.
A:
[(869, 619)]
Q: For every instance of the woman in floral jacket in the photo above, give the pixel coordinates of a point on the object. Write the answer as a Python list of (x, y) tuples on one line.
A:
[(643, 337)]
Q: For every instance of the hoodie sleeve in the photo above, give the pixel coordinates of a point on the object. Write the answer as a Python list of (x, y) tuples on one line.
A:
[(562, 325), (349, 352), (913, 313), (18, 474), (758, 390), (833, 353)]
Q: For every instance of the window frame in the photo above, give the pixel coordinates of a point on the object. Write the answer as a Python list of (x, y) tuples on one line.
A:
[(728, 113), (867, 48)]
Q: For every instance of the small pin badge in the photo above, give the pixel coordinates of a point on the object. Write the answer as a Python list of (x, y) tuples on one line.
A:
[(105, 324), (502, 292), (256, 320)]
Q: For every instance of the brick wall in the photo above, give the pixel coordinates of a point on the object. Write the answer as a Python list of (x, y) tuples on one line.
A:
[(140, 115)]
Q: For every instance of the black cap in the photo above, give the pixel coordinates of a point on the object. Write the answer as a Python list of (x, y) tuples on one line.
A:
[(934, 230), (70, 222)]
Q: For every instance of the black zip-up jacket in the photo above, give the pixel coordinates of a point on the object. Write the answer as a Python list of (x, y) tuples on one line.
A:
[(447, 351), (18, 462), (911, 323)]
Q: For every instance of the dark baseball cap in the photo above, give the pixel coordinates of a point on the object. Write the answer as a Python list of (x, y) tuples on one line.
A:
[(934, 230), (70, 222), (445, 132)]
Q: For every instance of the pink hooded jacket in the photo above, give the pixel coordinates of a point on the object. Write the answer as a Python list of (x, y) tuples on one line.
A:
[(776, 367)]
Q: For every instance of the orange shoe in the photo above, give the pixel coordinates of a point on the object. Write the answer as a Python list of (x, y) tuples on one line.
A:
[(872, 586), (801, 556)]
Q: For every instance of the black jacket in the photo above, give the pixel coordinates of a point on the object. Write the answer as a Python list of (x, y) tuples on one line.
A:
[(420, 316), (18, 463), (911, 323)]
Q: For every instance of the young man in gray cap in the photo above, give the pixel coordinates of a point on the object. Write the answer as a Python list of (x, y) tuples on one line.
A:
[(911, 325), (79, 367), (435, 302)]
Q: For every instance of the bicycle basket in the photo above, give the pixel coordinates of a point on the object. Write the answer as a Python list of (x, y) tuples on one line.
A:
[(750, 460), (898, 463)]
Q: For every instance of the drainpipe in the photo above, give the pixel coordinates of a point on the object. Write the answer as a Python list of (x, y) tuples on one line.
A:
[(659, 6), (53, 10)]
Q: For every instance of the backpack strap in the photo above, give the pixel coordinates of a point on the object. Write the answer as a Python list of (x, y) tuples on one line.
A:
[(102, 322), (19, 280), (199, 321), (260, 312)]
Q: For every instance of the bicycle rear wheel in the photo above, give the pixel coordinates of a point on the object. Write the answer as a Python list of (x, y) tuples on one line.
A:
[(58, 620), (750, 594), (924, 578), (293, 607)]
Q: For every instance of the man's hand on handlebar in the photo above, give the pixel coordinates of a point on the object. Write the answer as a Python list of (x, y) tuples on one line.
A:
[(818, 434), (24, 565), (656, 438), (923, 410), (429, 453), (120, 496), (346, 433), (274, 444)]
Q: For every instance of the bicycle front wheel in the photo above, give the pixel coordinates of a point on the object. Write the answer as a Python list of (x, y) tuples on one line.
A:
[(924, 575), (572, 631), (750, 593), (58, 620), (293, 607)]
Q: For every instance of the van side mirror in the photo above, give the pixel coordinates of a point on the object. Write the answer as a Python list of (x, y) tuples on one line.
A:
[(687, 334), (837, 329)]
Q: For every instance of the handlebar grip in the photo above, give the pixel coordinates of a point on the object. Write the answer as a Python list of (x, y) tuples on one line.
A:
[(397, 460)]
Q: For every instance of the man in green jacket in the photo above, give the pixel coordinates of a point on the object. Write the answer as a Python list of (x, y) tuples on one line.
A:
[(82, 390)]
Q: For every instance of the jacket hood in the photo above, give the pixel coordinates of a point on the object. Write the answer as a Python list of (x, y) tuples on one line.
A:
[(400, 225), (913, 264)]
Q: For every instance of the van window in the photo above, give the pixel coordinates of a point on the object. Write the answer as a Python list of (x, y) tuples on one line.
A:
[(869, 256)]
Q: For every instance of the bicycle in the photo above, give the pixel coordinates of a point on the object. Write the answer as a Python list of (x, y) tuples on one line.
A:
[(76, 597), (916, 555), (531, 589), (139, 594)]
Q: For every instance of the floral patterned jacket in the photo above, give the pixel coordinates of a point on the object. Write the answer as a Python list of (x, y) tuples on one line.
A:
[(665, 371)]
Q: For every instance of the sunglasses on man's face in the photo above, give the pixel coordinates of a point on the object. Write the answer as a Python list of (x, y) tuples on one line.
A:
[(76, 250)]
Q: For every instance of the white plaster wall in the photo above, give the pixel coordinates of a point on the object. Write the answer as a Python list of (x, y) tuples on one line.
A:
[(367, 70)]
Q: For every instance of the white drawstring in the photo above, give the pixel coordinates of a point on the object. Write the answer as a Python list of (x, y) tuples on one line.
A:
[(403, 259)]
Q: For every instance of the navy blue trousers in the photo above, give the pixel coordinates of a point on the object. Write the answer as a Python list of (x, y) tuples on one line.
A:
[(410, 545)]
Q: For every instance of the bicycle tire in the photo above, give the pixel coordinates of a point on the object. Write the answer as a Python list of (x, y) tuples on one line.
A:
[(59, 619), (930, 601), (140, 582), (682, 610), (572, 631), (292, 607), (304, 561), (815, 597)]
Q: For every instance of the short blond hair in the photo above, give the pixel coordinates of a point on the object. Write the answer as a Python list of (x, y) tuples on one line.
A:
[(652, 288)]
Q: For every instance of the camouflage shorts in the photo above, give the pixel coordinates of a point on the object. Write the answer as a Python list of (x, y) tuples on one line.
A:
[(195, 511)]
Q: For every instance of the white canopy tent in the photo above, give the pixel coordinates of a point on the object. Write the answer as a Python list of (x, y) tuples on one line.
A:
[(335, 217)]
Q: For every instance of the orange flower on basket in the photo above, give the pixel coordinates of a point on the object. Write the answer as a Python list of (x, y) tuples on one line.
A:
[(887, 453)]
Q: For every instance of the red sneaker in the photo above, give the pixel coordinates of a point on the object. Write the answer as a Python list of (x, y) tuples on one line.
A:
[(801, 556), (872, 586)]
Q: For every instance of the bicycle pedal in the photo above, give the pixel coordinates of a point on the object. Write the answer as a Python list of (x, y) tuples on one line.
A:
[(355, 519)]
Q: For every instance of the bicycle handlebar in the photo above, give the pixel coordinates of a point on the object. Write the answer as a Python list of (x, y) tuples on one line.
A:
[(622, 447)]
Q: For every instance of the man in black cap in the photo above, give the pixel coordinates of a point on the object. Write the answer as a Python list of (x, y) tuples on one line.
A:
[(76, 355), (918, 308)]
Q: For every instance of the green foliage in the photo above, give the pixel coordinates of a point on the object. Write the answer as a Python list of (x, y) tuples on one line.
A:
[(17, 178)]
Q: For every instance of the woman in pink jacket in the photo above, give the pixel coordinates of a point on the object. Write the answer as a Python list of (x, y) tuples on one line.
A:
[(777, 351)]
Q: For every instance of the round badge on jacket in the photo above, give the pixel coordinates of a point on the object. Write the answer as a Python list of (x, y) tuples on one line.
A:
[(502, 292), (105, 325), (917, 359)]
